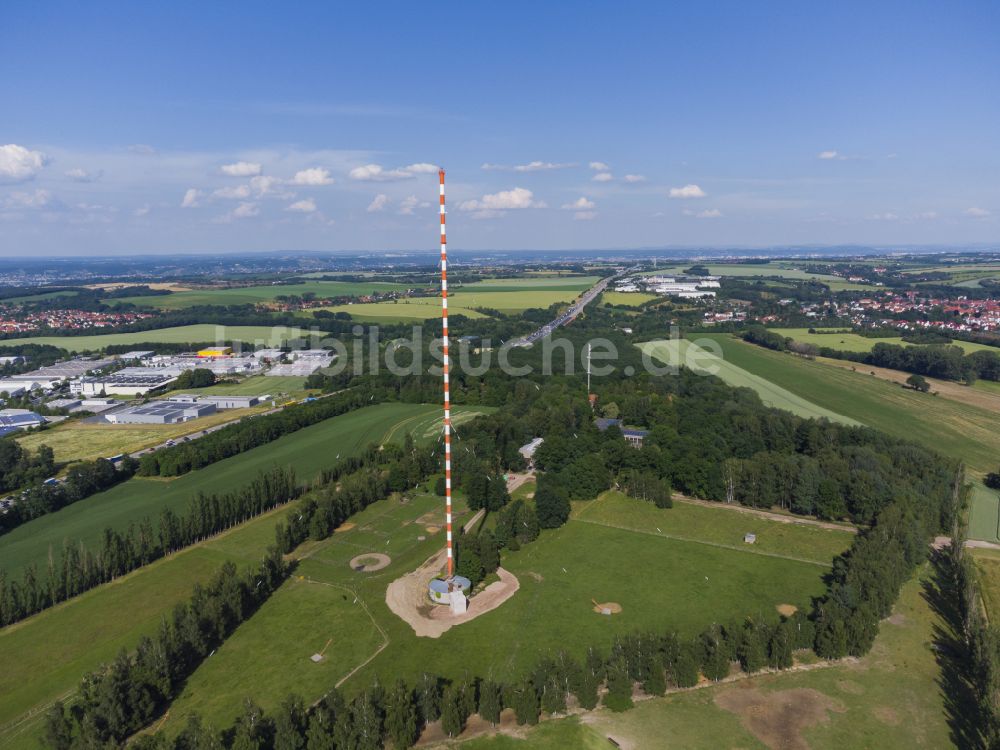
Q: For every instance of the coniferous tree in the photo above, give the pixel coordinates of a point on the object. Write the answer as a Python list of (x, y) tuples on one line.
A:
[(490, 702), (401, 720)]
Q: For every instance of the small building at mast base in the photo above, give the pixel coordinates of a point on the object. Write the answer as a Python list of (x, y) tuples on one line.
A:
[(452, 592)]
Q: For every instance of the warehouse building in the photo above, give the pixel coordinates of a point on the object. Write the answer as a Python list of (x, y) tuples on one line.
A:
[(12, 420), (220, 402), (161, 412)]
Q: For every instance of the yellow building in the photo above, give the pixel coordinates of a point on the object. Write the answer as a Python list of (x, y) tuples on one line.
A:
[(216, 351)]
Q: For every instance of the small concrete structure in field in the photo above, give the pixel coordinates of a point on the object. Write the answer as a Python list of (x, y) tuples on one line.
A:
[(451, 591), (749, 538)]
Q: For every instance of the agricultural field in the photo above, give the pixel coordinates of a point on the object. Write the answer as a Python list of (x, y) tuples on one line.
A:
[(889, 699), (988, 565), (252, 295), (784, 270), (76, 440), (41, 297), (984, 514), (684, 352), (308, 451), (697, 581), (956, 429), (853, 342), (633, 299), (200, 333), (415, 309)]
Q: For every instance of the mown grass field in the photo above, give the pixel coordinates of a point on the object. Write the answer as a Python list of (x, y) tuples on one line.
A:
[(200, 333), (552, 610), (890, 699), (984, 513), (308, 451), (953, 428), (689, 354), (853, 342), (720, 525), (988, 564), (264, 293), (752, 270), (81, 441), (414, 309)]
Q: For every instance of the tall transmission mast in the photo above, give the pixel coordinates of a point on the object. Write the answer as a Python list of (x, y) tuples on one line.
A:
[(447, 398)]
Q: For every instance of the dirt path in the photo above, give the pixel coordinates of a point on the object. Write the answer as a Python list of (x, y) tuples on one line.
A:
[(770, 515), (516, 480), (945, 388)]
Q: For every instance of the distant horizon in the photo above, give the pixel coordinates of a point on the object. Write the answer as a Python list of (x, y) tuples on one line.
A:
[(729, 125)]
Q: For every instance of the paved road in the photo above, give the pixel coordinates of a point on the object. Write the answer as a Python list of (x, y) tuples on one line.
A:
[(570, 314)]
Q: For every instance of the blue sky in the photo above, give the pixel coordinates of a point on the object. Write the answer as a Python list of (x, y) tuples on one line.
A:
[(128, 127)]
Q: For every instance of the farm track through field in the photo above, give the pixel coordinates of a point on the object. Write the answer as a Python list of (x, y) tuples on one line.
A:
[(769, 515)]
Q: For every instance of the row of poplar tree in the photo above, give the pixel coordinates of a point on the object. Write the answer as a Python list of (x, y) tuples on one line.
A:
[(79, 568)]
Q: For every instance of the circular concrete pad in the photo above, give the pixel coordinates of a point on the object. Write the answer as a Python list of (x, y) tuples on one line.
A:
[(369, 562)]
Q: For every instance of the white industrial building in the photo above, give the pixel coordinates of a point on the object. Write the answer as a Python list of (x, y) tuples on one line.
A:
[(220, 402), (129, 381), (303, 363), (161, 412)]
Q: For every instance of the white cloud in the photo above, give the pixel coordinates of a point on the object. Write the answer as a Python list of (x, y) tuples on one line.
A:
[(18, 164), (708, 213), (312, 176), (81, 175), (831, 155), (262, 185), (602, 177), (534, 166), (141, 211), (245, 210), (633, 178), (688, 191), (377, 173), (241, 169), (977, 213), (379, 202), (306, 206), (584, 215), (517, 198), (36, 199), (190, 199), (599, 166), (887, 216), (238, 192), (580, 204), (421, 168), (408, 204)]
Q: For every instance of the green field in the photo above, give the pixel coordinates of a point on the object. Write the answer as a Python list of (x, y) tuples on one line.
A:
[(953, 428), (251, 295), (553, 609), (41, 297), (984, 514), (258, 385), (853, 342), (308, 451), (890, 699), (414, 309), (684, 352), (988, 566), (632, 299), (196, 334), (45, 656), (689, 521)]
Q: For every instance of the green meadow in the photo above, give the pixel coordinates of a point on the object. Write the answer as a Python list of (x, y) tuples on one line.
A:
[(250, 295), (308, 451)]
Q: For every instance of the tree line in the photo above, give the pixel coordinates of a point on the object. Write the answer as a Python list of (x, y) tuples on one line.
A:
[(82, 480), (650, 662), (122, 697), (80, 569), (932, 360), (20, 467), (249, 433)]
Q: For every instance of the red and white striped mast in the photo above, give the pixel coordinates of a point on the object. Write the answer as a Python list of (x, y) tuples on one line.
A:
[(447, 398)]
